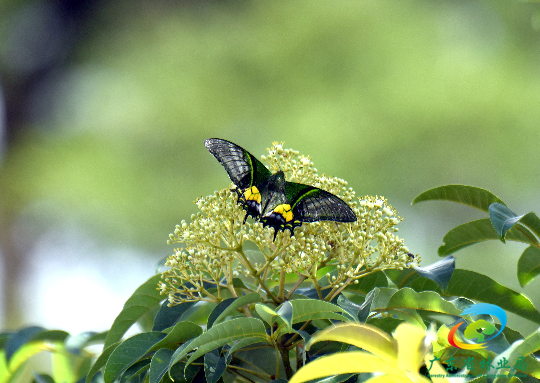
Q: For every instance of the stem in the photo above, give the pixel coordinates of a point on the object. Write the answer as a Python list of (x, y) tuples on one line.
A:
[(286, 363), (301, 279), (253, 273), (259, 374), (230, 284), (281, 293), (317, 287), (293, 338)]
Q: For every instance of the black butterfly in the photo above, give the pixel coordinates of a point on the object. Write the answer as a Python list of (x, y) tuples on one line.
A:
[(270, 199)]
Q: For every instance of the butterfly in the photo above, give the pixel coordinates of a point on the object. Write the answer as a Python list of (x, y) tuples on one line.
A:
[(269, 198)]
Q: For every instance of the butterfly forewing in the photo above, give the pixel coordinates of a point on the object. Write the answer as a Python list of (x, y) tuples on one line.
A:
[(243, 169)]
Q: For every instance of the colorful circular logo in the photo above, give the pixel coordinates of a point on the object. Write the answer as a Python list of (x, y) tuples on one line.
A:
[(478, 329)]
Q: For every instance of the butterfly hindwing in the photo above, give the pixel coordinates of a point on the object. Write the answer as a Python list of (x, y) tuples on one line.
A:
[(311, 204)]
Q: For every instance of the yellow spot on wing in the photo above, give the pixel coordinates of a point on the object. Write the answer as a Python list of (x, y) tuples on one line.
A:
[(252, 194), (285, 210)]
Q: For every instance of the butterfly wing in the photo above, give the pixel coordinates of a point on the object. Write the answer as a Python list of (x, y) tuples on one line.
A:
[(243, 169), (311, 204)]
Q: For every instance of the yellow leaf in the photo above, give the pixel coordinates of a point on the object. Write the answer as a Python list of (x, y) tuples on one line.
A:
[(353, 362), (367, 337)]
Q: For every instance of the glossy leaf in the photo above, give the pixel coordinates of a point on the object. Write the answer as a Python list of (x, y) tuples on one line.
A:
[(285, 312), (101, 361), (214, 366), (221, 334), (308, 309), (159, 364), (135, 372), (68, 367), (528, 265), (180, 333), (334, 378), (363, 336), (523, 349), (169, 316), (268, 315), (411, 278), (482, 288), (27, 342), (532, 221), (242, 343), (407, 298), (479, 231), (43, 378), (18, 339), (369, 282), (194, 372), (352, 362), (129, 352), (467, 195), (144, 299), (352, 308), (502, 219), (439, 272), (76, 343), (225, 308)]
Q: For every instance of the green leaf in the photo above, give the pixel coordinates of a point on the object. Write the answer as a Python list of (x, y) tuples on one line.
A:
[(178, 374), (439, 272), (411, 278), (159, 364), (223, 309), (76, 343), (405, 302), (285, 312), (425, 278), (169, 316), (467, 195), (528, 265), (523, 349), (68, 367), (333, 379), (199, 312), (425, 300), (18, 339), (482, 288), (135, 370), (221, 334), (478, 231), (352, 308), (309, 309), (43, 378), (144, 299), (502, 219), (180, 333), (129, 352), (101, 361), (532, 221), (214, 366), (267, 314), (242, 343), (369, 282), (22, 345)]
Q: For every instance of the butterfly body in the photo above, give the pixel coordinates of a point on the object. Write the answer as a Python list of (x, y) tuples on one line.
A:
[(269, 198)]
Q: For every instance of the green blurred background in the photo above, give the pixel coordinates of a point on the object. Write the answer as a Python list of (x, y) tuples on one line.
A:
[(105, 106)]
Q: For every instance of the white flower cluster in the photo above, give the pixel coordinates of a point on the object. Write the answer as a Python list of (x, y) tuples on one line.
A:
[(216, 240)]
